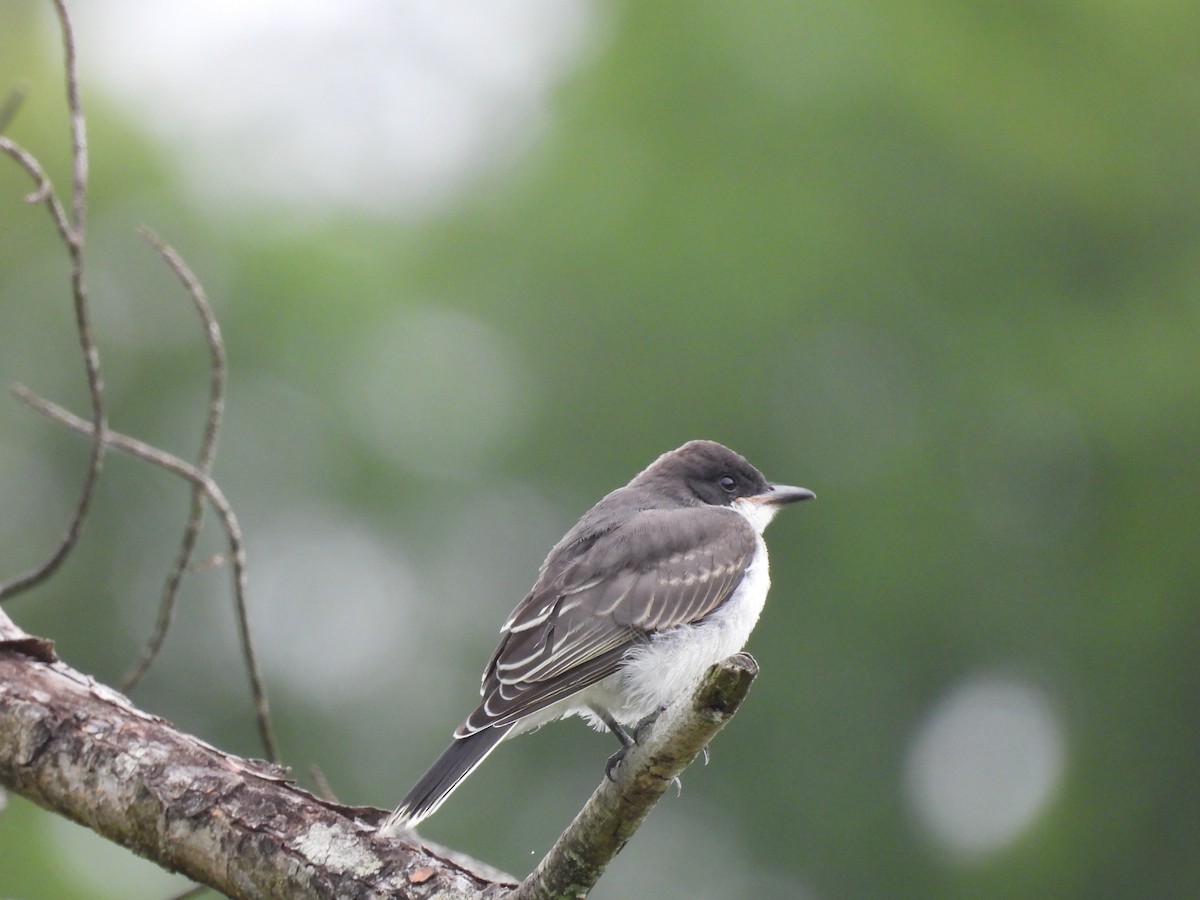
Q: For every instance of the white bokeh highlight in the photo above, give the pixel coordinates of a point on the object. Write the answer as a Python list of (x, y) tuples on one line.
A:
[(984, 764), (333, 603), (366, 105)]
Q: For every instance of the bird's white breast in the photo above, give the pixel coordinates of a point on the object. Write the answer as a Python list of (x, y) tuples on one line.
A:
[(672, 661)]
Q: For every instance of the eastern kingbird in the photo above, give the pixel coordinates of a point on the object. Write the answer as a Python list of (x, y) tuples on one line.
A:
[(658, 581)]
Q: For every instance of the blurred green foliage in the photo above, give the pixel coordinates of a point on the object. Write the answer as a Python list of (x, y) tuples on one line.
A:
[(939, 262)]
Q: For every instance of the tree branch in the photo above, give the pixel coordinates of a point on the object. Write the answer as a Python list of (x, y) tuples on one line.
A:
[(80, 749), (233, 531), (72, 230), (73, 233), (241, 826), (616, 809), (204, 464)]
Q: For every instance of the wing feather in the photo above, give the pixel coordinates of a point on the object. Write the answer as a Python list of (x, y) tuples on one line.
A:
[(596, 596)]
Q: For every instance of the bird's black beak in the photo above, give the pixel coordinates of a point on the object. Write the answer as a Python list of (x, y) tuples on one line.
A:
[(781, 494)]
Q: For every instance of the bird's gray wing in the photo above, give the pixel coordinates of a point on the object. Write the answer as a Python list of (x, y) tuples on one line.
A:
[(657, 570)]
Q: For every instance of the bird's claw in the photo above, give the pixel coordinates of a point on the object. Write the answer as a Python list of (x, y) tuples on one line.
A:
[(629, 739), (610, 767)]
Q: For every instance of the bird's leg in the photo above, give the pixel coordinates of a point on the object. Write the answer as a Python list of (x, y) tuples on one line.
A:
[(630, 738), (627, 740)]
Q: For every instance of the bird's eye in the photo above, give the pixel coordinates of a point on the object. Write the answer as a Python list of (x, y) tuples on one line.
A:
[(727, 483)]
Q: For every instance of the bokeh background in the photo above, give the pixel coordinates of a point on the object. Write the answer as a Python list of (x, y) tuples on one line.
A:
[(477, 264)]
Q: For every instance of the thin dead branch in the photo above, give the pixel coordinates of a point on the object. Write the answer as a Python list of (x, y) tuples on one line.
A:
[(324, 788), (43, 191), (79, 154), (72, 229), (73, 232), (212, 492), (204, 462)]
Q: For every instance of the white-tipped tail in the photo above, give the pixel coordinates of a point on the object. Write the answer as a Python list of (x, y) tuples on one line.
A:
[(457, 761)]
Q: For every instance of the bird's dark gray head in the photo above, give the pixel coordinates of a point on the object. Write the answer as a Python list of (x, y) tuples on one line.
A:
[(705, 472)]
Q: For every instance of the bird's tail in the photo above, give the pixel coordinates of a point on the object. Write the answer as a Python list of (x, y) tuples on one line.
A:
[(457, 761)]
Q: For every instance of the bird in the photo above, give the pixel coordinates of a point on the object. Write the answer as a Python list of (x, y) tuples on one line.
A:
[(658, 581)]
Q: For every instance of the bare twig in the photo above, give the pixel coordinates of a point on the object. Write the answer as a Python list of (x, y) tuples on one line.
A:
[(224, 510), (618, 807), (208, 451), (43, 192), (72, 229), (324, 788), (79, 154), (73, 233)]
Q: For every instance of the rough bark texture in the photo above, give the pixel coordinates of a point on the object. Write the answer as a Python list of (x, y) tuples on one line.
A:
[(82, 750)]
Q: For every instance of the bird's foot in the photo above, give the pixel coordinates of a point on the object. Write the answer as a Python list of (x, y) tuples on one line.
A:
[(629, 738), (610, 767)]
